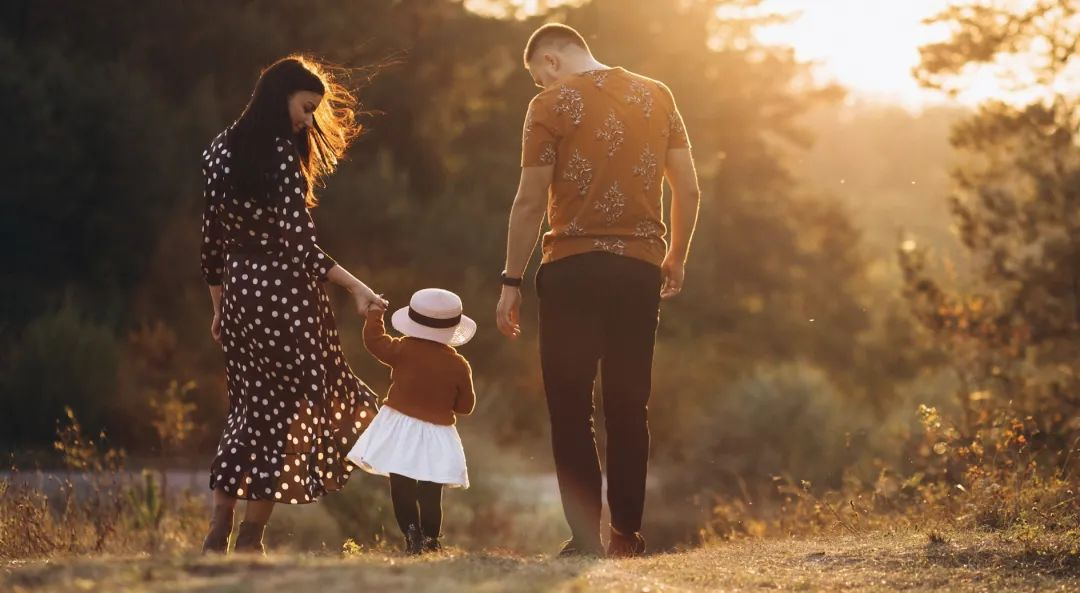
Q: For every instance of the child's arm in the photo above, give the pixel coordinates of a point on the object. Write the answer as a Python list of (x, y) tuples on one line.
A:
[(465, 401), (377, 341)]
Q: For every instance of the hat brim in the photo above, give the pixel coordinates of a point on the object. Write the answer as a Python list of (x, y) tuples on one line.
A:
[(451, 336)]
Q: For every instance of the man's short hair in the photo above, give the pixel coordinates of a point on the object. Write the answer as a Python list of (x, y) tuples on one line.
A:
[(556, 34)]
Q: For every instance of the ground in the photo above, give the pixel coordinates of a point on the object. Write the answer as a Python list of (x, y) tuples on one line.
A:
[(882, 561)]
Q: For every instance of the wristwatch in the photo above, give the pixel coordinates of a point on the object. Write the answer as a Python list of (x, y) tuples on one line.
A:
[(508, 281)]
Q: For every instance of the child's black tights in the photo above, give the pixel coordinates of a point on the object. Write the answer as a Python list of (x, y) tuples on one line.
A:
[(417, 503)]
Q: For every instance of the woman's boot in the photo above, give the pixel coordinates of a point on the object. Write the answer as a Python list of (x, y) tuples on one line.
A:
[(217, 540), (249, 538)]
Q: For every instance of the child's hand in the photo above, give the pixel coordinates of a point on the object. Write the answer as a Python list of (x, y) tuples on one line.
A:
[(377, 307)]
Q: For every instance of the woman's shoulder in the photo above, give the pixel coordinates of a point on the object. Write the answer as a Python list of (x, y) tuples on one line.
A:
[(218, 148)]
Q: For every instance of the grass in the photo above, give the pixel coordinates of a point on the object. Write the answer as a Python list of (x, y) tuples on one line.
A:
[(879, 561), (971, 521)]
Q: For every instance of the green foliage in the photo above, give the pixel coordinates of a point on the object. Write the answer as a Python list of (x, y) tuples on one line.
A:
[(61, 359), (788, 421), (92, 179), (172, 421), (145, 503), (1012, 337), (1002, 457), (422, 199)]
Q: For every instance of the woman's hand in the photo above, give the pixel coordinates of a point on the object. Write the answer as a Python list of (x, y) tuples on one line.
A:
[(376, 308), (365, 299), (215, 304), (215, 327)]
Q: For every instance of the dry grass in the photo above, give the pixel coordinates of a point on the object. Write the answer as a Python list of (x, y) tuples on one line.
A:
[(881, 561), (969, 522)]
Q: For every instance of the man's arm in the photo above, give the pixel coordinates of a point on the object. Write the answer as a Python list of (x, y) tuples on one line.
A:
[(526, 218), (685, 200)]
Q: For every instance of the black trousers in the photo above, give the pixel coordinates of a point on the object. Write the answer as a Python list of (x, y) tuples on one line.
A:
[(417, 503), (599, 309)]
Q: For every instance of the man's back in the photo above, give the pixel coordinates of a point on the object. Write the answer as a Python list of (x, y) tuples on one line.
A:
[(607, 133), (597, 146)]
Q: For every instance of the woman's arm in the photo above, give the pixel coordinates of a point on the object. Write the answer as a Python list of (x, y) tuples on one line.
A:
[(212, 249), (298, 232), (297, 227), (363, 297)]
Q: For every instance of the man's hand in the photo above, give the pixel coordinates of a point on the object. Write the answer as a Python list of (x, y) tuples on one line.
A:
[(508, 311), (526, 217), (674, 271), (685, 200)]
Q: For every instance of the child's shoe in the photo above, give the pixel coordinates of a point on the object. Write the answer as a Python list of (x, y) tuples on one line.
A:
[(414, 542), (431, 544)]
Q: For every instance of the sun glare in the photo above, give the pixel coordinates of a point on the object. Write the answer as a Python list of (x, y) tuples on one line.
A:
[(867, 46), (516, 8), (871, 47)]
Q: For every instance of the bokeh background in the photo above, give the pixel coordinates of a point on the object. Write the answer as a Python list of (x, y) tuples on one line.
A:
[(882, 226)]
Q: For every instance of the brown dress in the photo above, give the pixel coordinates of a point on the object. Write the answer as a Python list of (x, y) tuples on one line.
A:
[(295, 406)]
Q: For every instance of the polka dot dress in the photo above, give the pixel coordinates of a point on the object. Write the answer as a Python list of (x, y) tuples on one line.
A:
[(295, 406)]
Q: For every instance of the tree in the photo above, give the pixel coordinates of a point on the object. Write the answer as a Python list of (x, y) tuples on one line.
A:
[(1016, 205), (422, 199)]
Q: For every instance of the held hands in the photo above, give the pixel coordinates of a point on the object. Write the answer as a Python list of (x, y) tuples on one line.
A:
[(507, 312), (366, 300), (376, 310)]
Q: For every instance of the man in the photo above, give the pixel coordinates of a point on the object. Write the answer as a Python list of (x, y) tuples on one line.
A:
[(602, 140)]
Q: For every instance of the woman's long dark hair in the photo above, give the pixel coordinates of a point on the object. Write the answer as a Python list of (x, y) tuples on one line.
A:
[(266, 117)]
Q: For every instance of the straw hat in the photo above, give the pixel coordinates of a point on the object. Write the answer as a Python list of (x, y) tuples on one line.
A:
[(435, 314)]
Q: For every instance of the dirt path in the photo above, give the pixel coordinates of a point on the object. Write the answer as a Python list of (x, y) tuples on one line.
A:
[(872, 562)]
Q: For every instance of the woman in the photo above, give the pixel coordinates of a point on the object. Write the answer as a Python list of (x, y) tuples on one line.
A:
[(295, 407)]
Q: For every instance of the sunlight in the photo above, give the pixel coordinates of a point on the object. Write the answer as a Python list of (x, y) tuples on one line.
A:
[(869, 47), (516, 8), (872, 47)]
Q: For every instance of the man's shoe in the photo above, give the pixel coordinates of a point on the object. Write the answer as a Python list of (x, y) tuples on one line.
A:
[(571, 548), (625, 546)]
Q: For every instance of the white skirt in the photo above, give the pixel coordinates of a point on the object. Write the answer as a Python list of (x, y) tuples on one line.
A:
[(396, 443)]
